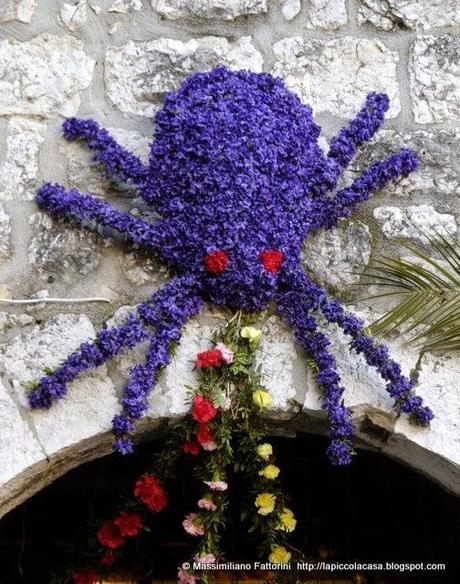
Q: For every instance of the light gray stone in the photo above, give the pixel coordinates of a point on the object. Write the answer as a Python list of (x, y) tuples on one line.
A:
[(221, 9), (126, 6), (9, 320), (275, 357), (20, 449), (24, 356), (140, 270), (74, 15), (60, 250), (327, 14), (43, 76), (138, 73), (290, 9), (5, 234), (21, 10), (90, 403), (435, 78), (336, 257), (19, 171), (335, 75), (413, 221), (393, 14)]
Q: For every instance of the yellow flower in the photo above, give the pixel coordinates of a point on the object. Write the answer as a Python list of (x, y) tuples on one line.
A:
[(261, 398), (279, 555), (266, 503), (252, 334), (287, 520), (269, 472), (265, 450)]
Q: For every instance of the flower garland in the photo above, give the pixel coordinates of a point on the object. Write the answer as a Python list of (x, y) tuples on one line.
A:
[(224, 433)]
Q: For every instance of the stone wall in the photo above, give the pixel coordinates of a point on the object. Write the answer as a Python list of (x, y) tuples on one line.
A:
[(113, 60)]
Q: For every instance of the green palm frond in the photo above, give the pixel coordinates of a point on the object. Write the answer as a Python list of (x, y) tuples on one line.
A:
[(430, 294)]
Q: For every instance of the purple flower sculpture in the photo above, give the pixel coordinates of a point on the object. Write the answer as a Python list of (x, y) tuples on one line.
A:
[(239, 180)]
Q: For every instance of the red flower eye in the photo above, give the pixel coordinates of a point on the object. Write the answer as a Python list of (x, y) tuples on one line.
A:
[(271, 259), (216, 261)]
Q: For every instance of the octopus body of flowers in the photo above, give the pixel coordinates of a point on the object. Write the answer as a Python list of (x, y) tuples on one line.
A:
[(239, 180)]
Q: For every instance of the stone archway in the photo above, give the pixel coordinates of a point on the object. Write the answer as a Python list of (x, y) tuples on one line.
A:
[(39, 446)]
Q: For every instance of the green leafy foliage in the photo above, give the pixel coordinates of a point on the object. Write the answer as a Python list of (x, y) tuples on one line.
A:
[(428, 290)]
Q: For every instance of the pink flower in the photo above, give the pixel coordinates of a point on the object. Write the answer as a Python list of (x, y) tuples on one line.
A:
[(206, 559), (216, 485), (209, 446), (207, 504), (192, 524), (227, 354), (185, 577)]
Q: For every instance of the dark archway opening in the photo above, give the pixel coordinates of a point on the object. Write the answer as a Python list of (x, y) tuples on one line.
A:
[(375, 511)]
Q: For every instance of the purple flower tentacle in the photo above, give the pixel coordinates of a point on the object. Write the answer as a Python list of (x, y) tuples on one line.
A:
[(399, 387), (168, 311), (118, 161), (292, 306), (108, 343), (361, 129), (91, 213), (328, 211)]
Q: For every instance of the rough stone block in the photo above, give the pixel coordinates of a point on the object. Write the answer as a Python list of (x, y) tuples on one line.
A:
[(138, 73), (435, 78), (44, 76), (335, 76)]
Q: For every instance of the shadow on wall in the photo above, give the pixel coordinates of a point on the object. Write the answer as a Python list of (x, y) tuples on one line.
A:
[(374, 511)]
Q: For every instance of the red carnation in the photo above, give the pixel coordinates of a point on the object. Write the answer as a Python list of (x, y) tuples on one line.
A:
[(203, 410), (204, 434), (209, 359), (191, 447), (150, 492), (216, 261), (271, 259), (129, 523), (85, 577), (107, 560), (109, 535)]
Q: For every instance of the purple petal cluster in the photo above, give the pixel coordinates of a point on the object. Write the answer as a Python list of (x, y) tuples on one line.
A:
[(168, 310), (108, 343), (235, 168), (398, 386)]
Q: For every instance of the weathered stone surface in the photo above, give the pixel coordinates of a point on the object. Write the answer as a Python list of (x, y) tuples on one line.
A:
[(290, 9), (393, 14), (74, 15), (435, 78), (336, 75), (5, 233), (222, 9), (59, 250), (24, 356), (438, 175), (336, 257), (138, 73), (276, 358), (140, 270), (89, 405), (19, 171), (43, 76), (126, 6), (9, 320), (20, 449), (21, 10), (414, 221), (327, 14)]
